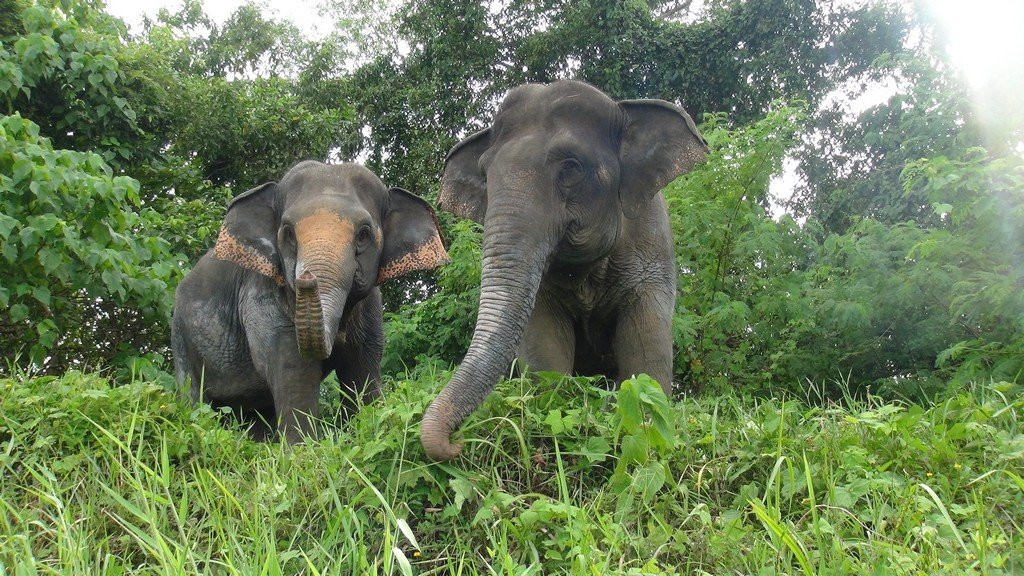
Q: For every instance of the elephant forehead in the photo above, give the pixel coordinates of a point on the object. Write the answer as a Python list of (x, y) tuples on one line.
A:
[(324, 227), (588, 107)]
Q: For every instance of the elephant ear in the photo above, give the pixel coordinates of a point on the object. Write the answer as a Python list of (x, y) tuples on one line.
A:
[(463, 184), (248, 236), (412, 237), (660, 142)]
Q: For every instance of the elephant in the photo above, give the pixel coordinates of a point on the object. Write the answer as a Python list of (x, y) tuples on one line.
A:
[(289, 292), (579, 270)]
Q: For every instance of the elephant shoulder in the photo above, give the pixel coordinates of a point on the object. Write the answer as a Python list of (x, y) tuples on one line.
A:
[(211, 278), (651, 223)]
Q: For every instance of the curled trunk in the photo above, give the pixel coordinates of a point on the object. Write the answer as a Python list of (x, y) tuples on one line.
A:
[(314, 340), (324, 268), (512, 268)]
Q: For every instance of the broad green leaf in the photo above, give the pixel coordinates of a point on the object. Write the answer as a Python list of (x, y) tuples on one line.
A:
[(649, 479), (464, 491), (628, 406), (18, 312), (595, 449), (634, 449), (42, 294), (22, 168), (554, 422)]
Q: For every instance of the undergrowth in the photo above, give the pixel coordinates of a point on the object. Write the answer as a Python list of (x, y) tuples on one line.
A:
[(558, 476)]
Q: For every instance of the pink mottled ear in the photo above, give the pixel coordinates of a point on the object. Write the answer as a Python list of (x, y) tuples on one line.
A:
[(248, 236), (412, 238)]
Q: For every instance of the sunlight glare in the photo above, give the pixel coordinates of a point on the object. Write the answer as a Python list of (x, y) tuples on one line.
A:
[(984, 36), (985, 43)]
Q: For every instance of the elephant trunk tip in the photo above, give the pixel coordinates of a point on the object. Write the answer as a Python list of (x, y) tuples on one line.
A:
[(436, 436), (309, 318)]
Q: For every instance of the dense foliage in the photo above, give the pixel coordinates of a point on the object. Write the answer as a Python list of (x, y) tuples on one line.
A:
[(138, 142), (77, 264), (903, 306), (849, 353), (899, 266)]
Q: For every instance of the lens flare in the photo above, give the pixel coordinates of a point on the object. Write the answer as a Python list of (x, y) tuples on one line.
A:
[(985, 42), (983, 37)]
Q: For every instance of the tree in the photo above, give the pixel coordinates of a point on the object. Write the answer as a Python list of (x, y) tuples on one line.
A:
[(72, 247), (464, 55), (902, 267), (86, 86), (61, 71), (851, 169)]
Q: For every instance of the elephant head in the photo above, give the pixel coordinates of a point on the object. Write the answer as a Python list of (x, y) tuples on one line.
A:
[(554, 179), (327, 234)]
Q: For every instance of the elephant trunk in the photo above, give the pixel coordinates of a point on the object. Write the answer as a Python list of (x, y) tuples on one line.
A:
[(513, 265), (324, 271), (313, 339)]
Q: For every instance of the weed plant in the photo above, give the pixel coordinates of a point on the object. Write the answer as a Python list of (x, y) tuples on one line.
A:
[(559, 476)]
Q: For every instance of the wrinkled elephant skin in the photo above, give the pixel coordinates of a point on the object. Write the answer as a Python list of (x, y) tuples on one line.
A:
[(290, 293), (578, 266)]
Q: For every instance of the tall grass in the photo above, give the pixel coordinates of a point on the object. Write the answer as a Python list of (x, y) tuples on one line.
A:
[(558, 475)]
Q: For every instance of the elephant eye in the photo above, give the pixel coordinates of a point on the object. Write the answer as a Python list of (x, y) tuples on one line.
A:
[(570, 173), (364, 235), (287, 236)]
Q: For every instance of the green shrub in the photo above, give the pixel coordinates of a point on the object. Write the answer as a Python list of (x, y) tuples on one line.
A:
[(559, 475), (77, 254)]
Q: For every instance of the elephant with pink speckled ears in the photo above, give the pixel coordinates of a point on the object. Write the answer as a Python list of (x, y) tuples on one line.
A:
[(290, 293)]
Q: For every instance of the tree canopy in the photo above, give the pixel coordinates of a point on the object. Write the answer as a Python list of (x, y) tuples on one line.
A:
[(897, 265)]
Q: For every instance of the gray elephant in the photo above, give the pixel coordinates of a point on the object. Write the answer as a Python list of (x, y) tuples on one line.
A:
[(289, 293), (578, 263)]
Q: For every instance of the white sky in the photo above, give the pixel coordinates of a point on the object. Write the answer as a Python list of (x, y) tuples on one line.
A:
[(984, 35), (305, 14)]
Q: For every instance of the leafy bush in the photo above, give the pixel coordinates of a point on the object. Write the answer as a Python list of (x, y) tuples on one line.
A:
[(766, 303), (558, 476), (74, 244), (439, 326), (740, 315), (978, 252), (62, 72)]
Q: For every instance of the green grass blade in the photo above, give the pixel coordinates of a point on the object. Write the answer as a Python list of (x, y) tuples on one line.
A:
[(782, 532), (945, 514)]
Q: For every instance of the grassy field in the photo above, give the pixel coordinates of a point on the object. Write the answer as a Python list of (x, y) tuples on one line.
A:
[(558, 477)]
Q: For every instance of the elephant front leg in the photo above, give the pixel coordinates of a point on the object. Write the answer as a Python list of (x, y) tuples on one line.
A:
[(549, 341), (295, 385), (643, 340), (358, 355), (358, 371)]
